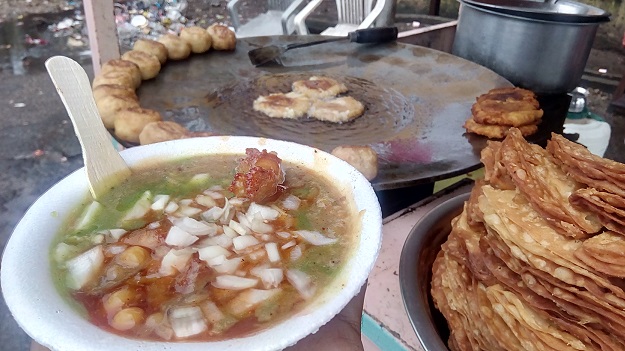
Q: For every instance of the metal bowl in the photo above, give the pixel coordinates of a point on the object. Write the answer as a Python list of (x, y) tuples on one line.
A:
[(557, 11), (415, 272)]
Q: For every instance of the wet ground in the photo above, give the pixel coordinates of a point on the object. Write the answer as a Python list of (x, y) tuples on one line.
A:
[(37, 144)]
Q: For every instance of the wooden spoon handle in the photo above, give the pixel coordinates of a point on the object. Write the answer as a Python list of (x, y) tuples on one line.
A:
[(104, 166)]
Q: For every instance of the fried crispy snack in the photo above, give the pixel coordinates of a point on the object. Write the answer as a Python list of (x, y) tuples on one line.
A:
[(363, 158), (117, 78), (198, 39), (319, 87), (513, 107), (110, 105), (546, 186), (155, 132), (337, 110), (586, 168), (223, 37), (152, 47), (177, 49), (494, 131), (609, 208), (149, 65), (290, 105), (604, 253), (130, 122), (127, 67), (495, 172)]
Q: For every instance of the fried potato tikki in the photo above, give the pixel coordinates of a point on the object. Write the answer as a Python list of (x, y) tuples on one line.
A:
[(319, 87), (289, 105), (363, 158), (222, 37), (500, 109), (337, 110)]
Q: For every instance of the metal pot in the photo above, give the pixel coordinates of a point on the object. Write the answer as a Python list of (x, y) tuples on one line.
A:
[(546, 56)]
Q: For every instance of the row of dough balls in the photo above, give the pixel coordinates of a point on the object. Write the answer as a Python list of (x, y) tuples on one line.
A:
[(114, 87)]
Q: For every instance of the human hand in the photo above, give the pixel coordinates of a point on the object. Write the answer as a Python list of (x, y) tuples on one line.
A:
[(342, 333)]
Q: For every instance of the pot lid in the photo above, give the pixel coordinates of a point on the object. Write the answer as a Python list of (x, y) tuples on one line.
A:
[(549, 10)]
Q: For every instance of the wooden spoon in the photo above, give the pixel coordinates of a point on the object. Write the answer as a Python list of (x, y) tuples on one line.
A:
[(105, 167)]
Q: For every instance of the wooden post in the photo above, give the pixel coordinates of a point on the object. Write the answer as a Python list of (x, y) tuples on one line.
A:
[(100, 18)]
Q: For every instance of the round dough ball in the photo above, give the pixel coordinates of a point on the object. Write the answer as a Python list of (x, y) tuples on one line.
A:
[(363, 158), (123, 66), (155, 132), (149, 65), (113, 89), (152, 47), (131, 121), (198, 38), (223, 37), (116, 78), (110, 105), (177, 49)]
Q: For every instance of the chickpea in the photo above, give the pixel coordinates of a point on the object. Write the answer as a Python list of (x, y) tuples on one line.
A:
[(133, 257), (127, 318), (118, 300)]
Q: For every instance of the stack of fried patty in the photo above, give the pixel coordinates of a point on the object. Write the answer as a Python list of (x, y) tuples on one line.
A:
[(495, 112), (536, 260)]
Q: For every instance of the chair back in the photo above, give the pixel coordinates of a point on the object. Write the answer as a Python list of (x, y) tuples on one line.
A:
[(353, 11), (278, 5)]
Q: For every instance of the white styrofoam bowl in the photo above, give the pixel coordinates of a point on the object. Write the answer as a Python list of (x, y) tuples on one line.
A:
[(40, 310)]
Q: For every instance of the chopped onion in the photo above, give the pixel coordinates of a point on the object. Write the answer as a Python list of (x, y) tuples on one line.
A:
[(284, 235), (271, 277), (212, 313), (187, 321), (296, 253), (195, 227), (160, 201), (64, 251), (175, 261), (315, 238), (227, 214), (206, 253), (216, 188), (289, 244), (215, 261), (247, 300), (302, 282), (257, 255), (291, 202), (114, 249), (205, 200), (116, 233), (140, 208), (237, 227), (213, 214), (243, 220), (185, 202), (97, 239), (230, 232), (84, 266), (237, 201), (215, 195), (154, 225), (200, 178), (228, 266), (232, 282), (266, 213), (210, 241), (171, 207), (180, 238), (244, 241), (272, 252), (88, 215), (223, 240), (189, 211), (259, 226)]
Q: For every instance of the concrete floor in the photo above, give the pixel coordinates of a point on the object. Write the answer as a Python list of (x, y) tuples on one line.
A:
[(38, 148)]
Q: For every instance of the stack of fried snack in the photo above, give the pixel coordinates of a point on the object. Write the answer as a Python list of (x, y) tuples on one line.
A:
[(114, 87), (536, 260), (501, 109)]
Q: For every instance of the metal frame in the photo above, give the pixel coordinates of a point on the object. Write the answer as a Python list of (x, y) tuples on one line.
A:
[(288, 7), (360, 13)]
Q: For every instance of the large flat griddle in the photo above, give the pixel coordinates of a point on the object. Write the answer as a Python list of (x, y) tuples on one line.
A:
[(416, 100)]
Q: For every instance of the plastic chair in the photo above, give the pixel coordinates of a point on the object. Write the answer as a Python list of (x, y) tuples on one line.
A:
[(352, 15), (278, 20)]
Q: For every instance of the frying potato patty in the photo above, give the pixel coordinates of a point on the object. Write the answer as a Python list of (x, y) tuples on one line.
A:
[(363, 158), (319, 87), (337, 110), (508, 113), (496, 131), (279, 105)]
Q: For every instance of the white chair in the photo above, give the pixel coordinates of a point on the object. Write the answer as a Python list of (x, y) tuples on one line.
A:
[(278, 20), (352, 15)]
